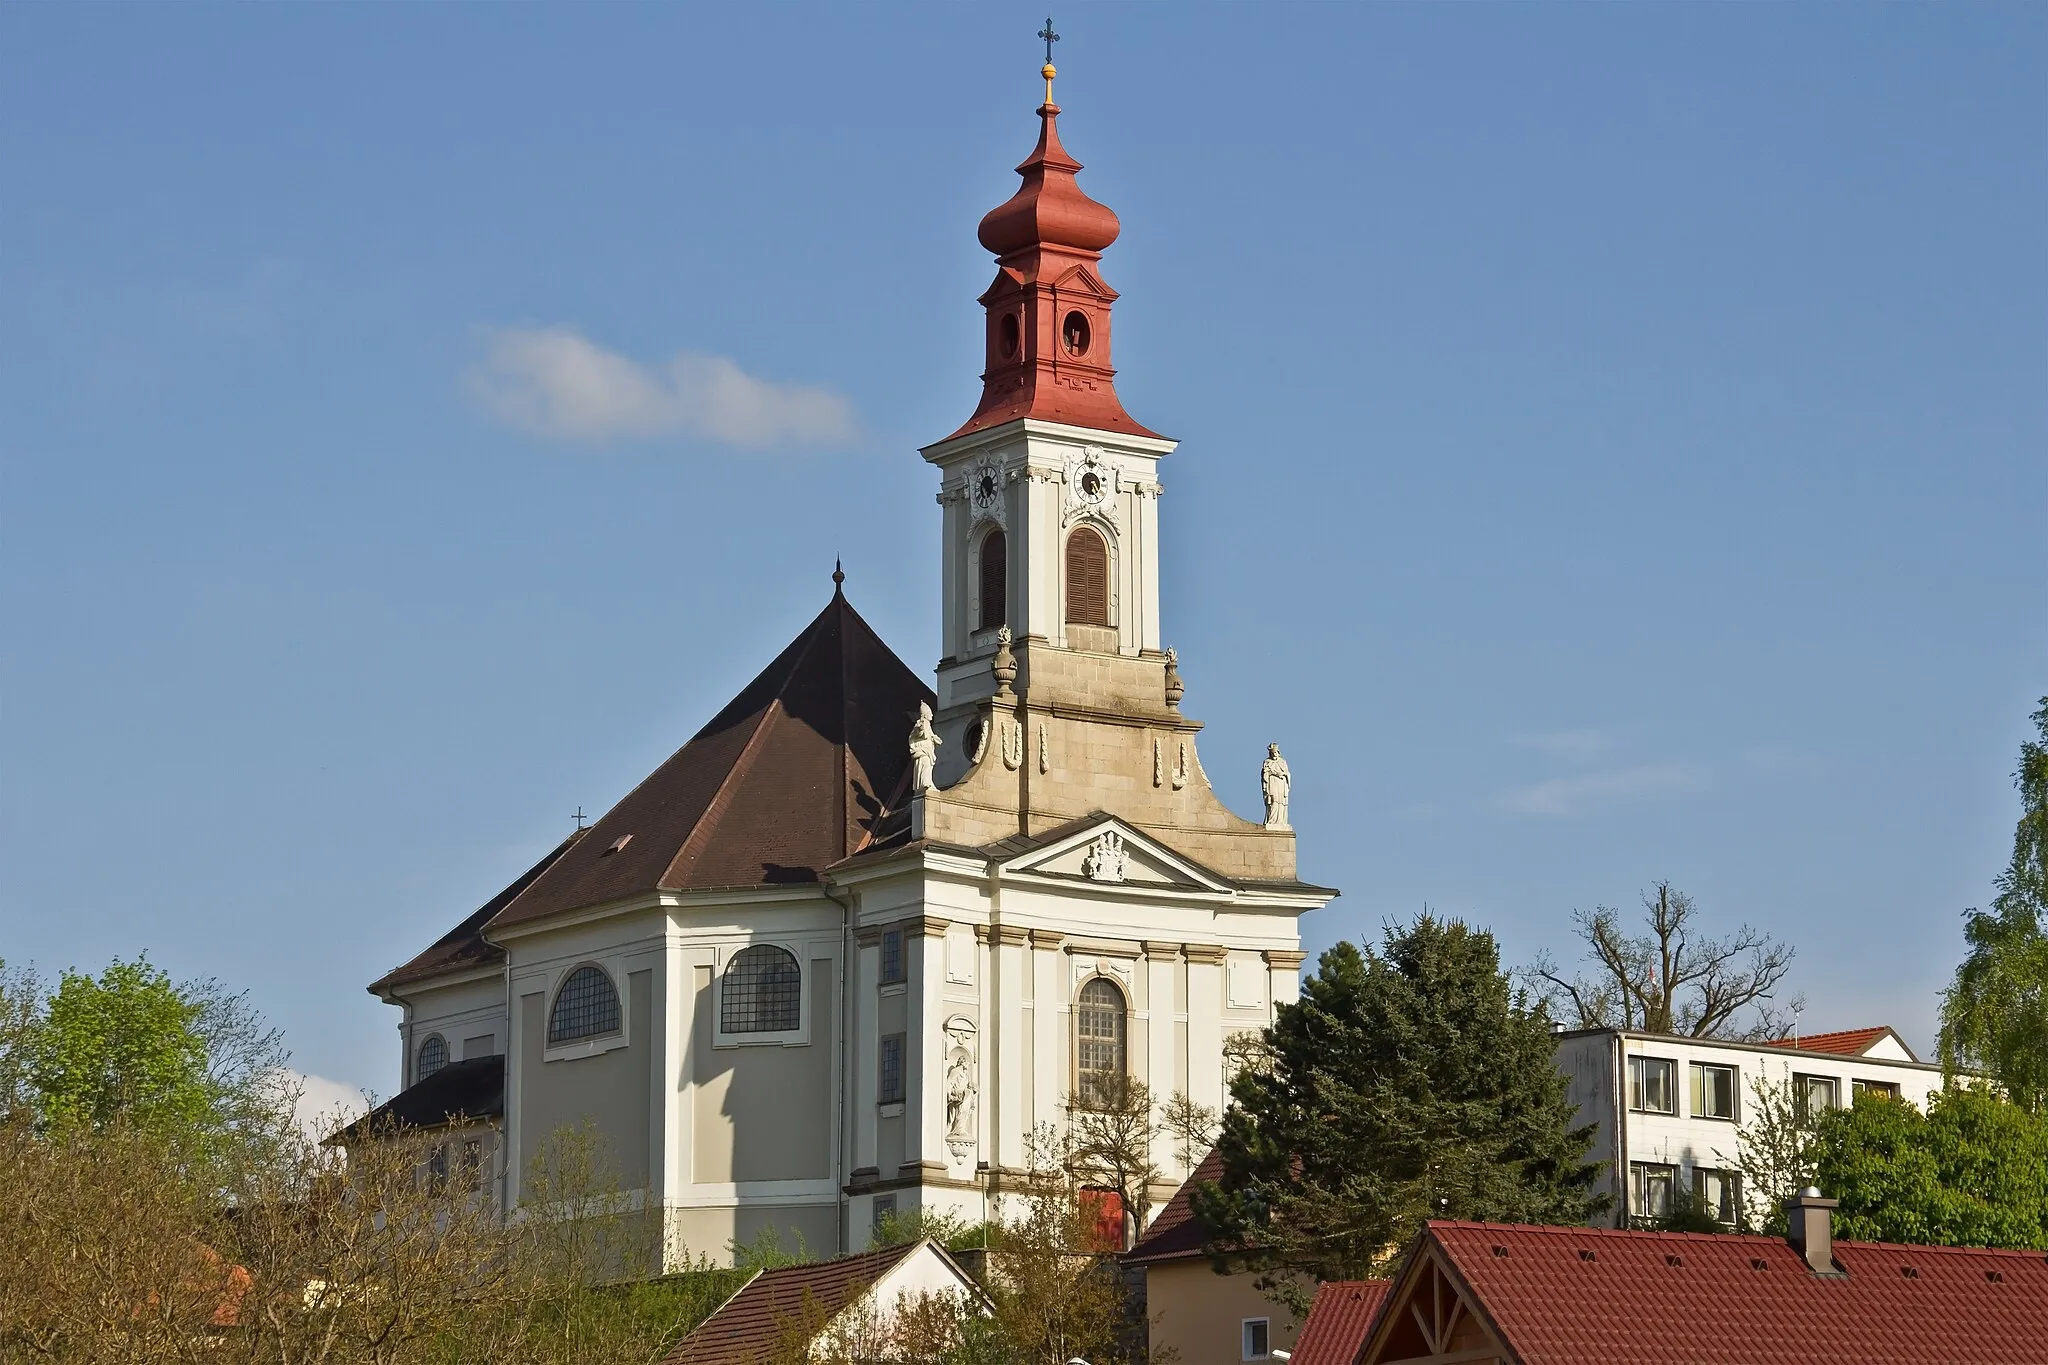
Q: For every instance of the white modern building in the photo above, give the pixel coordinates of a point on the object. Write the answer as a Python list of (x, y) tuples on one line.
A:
[(1667, 1110), (843, 951)]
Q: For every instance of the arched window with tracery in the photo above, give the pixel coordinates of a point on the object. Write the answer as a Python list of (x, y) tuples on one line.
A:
[(587, 1006), (762, 992), (1100, 1025), (1087, 578), (433, 1056), (994, 597)]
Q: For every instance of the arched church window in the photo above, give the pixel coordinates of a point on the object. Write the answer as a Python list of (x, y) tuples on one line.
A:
[(995, 579), (433, 1056), (585, 1007), (762, 992), (1099, 1053), (1087, 578)]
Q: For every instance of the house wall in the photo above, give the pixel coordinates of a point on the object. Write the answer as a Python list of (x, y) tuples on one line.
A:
[(464, 1013), (1600, 1085), (1197, 1315)]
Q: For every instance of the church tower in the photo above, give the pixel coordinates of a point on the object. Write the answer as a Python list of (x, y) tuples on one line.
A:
[(1056, 696)]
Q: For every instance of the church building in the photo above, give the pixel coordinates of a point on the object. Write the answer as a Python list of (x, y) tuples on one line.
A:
[(850, 945)]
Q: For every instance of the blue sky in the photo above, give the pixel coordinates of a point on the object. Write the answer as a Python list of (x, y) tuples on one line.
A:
[(1613, 442)]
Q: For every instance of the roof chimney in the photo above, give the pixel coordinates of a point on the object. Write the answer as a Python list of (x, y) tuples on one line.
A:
[(1812, 1229)]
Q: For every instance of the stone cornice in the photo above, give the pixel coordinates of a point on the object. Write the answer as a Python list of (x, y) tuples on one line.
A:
[(1047, 939), (1285, 957), (929, 926), (1206, 954), (1007, 935), (1161, 952)]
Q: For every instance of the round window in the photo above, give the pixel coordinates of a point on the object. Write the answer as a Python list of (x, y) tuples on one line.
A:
[(1010, 333), (1074, 334)]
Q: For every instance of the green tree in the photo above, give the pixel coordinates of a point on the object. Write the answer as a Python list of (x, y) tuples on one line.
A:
[(1971, 1171), (1994, 1015), (1408, 1083)]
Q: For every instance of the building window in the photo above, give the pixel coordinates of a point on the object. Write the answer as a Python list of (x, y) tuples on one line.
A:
[(762, 992), (892, 956), (1713, 1091), (1653, 1085), (1813, 1096), (885, 1213), (1099, 1018), (1882, 1089), (891, 1088), (1716, 1193), (995, 579), (585, 1007), (437, 1169), (433, 1056), (1649, 1189), (1087, 578), (1258, 1339)]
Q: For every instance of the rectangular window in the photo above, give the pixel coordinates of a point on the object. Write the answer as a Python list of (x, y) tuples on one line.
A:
[(1258, 1339), (1716, 1192), (1649, 1189), (1653, 1085), (891, 1089), (1713, 1091), (1883, 1089), (885, 1209), (1815, 1095), (892, 956), (437, 1169)]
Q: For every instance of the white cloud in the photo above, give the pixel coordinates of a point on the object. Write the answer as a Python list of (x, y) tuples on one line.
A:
[(323, 1105), (1576, 746), (553, 381), (1567, 796)]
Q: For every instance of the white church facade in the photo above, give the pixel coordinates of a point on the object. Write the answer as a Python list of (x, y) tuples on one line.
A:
[(842, 952)]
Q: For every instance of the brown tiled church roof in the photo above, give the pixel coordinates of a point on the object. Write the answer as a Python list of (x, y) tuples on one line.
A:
[(464, 945), (1174, 1234), (789, 778)]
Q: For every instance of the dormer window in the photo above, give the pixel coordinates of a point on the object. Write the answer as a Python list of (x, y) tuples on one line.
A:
[(995, 579)]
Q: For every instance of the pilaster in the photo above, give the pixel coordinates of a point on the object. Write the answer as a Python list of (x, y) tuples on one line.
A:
[(1161, 1073), (1205, 1023), (925, 1067), (867, 1047), (1012, 1115), (1050, 1026)]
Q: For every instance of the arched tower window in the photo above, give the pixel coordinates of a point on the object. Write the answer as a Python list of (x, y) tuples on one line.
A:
[(1099, 1032), (762, 992), (433, 1056), (1087, 578), (585, 1007), (995, 579)]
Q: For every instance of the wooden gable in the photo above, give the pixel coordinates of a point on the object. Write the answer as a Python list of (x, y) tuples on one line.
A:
[(1432, 1318)]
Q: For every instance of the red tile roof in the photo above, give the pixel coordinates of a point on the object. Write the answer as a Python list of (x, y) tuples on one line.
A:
[(1566, 1295), (1337, 1321), (1849, 1042), (747, 1328), (1175, 1235)]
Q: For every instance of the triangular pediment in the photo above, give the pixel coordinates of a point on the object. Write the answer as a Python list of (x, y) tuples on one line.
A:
[(1083, 279), (1107, 852), (1431, 1317)]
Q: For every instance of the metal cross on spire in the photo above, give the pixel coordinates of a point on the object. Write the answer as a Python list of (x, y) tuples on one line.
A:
[(1050, 38)]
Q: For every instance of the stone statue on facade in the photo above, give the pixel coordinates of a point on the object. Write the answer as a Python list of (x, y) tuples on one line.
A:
[(924, 750), (960, 1135), (1274, 781)]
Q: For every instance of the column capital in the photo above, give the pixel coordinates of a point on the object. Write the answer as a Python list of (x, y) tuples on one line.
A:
[(1007, 935), (1161, 952), (1287, 958), (867, 936), (1047, 939), (1206, 954), (927, 926)]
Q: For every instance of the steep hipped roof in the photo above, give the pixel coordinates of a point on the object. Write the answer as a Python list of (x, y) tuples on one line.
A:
[(472, 1089), (1559, 1295), (464, 945), (1337, 1321), (786, 780), (747, 1328), (1174, 1234)]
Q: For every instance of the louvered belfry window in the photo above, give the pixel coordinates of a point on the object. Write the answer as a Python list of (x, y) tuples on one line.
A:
[(1087, 578), (995, 580)]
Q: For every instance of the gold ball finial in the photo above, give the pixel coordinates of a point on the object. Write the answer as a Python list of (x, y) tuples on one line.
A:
[(1048, 71)]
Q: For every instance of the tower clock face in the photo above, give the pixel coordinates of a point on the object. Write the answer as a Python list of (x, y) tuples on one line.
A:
[(985, 491)]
